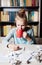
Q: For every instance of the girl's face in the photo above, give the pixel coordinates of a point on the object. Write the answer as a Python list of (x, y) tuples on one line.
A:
[(20, 24)]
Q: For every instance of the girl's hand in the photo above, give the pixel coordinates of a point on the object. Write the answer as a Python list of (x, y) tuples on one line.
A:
[(13, 47), (24, 34)]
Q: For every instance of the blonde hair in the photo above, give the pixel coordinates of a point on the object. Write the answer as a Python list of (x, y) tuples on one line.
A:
[(21, 15)]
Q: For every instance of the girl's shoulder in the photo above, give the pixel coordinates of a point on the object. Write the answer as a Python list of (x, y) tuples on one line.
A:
[(28, 29), (13, 29)]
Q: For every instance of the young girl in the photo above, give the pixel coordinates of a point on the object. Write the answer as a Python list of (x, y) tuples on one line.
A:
[(21, 34)]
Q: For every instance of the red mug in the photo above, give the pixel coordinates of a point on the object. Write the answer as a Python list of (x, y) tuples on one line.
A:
[(19, 33)]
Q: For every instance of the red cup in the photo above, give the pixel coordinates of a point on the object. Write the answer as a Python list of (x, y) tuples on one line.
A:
[(19, 33)]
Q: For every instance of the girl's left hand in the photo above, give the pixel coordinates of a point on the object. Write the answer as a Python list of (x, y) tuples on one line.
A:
[(24, 34)]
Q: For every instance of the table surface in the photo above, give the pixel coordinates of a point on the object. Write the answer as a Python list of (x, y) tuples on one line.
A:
[(4, 52)]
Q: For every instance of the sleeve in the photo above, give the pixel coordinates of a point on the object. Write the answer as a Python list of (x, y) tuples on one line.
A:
[(31, 35), (8, 37)]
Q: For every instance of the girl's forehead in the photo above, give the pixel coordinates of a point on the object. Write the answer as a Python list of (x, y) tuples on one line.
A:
[(20, 22)]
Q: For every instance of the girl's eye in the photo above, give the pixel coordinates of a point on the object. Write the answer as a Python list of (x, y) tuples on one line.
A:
[(18, 25), (22, 25)]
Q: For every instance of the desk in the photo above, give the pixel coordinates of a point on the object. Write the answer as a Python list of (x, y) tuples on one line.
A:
[(4, 52)]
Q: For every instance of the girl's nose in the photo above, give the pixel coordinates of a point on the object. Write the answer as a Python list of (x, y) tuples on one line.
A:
[(20, 27)]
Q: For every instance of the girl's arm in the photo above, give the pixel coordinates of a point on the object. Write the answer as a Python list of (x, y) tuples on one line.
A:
[(29, 36), (7, 38)]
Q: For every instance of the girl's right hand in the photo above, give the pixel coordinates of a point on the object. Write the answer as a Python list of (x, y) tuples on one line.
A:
[(13, 47)]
